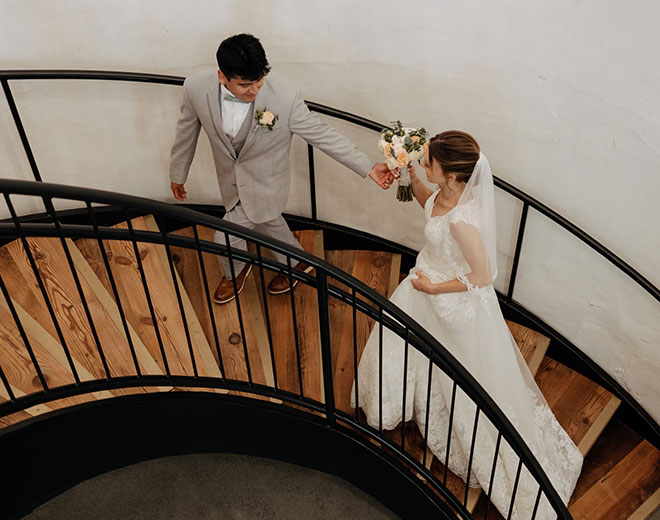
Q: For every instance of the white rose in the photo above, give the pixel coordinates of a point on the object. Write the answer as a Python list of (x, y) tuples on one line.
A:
[(392, 163), (382, 144), (267, 118)]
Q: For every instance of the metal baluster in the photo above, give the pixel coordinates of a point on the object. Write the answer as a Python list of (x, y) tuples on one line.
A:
[(312, 181), (449, 430), (145, 286), (26, 341), (536, 503), (209, 305), (115, 292), (469, 468), (355, 355), (21, 130), (405, 384), (295, 326), (380, 371), (428, 408), (179, 300), (264, 295), (230, 257), (50, 208), (516, 255), (5, 382), (515, 489), (492, 473), (326, 348), (42, 288)]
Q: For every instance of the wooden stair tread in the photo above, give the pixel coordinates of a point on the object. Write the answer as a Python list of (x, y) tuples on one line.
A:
[(621, 474), (372, 268), (134, 302), (282, 331), (67, 305), (581, 406), (637, 474), (533, 345), (17, 364), (230, 341)]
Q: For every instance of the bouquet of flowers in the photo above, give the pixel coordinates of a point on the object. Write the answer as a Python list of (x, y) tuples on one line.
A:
[(401, 146)]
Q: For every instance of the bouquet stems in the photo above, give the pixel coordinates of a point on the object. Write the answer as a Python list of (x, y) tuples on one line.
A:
[(404, 192)]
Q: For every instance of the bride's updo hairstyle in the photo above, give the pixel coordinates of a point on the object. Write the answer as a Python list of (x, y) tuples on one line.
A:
[(456, 152)]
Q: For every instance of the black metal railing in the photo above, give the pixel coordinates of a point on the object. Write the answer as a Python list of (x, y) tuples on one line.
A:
[(100, 233), (181, 361), (507, 299)]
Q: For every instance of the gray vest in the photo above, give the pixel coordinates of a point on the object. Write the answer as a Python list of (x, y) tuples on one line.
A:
[(238, 141)]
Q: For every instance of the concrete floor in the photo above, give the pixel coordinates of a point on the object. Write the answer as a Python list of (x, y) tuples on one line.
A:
[(209, 487)]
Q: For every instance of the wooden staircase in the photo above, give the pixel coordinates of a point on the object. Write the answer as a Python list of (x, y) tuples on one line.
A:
[(621, 474)]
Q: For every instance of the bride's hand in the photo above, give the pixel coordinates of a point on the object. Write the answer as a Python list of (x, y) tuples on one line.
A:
[(422, 283)]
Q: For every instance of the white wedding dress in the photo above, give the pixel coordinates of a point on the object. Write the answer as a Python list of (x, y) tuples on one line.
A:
[(471, 327)]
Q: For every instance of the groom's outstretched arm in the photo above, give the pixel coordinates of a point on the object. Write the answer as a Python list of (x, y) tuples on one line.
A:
[(309, 126)]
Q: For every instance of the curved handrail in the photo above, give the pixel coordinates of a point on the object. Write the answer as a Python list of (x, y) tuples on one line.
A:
[(527, 201), (374, 305)]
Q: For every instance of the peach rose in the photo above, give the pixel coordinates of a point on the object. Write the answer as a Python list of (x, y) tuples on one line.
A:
[(415, 138), (388, 148), (267, 118), (403, 159)]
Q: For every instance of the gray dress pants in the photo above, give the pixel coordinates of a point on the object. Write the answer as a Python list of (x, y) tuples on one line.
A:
[(276, 228)]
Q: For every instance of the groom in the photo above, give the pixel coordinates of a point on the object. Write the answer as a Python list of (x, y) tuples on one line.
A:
[(249, 118)]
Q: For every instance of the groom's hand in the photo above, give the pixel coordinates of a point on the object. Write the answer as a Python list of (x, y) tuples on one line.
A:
[(382, 175), (178, 190)]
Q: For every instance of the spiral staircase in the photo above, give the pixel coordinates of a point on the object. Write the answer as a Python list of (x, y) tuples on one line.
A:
[(111, 352), (621, 475)]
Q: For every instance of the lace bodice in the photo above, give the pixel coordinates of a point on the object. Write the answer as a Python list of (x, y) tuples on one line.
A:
[(441, 256), (441, 260)]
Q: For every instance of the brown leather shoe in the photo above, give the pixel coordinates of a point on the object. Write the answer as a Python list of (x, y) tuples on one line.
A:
[(280, 284), (225, 291)]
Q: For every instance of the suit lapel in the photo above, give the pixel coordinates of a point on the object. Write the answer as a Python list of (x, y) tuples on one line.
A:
[(260, 102), (213, 99)]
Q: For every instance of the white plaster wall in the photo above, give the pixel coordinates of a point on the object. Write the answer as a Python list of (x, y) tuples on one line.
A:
[(563, 96)]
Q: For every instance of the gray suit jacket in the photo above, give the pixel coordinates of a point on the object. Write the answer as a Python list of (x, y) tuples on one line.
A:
[(259, 175)]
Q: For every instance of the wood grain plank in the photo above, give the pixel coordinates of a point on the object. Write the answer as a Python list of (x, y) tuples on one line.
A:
[(576, 401), (127, 277), (647, 508), (533, 345), (624, 488), (230, 345), (36, 332), (372, 268), (614, 443), (67, 303), (146, 362), (17, 364), (337, 309), (305, 303), (207, 365)]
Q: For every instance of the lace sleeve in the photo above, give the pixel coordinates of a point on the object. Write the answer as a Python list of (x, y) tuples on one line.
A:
[(464, 228)]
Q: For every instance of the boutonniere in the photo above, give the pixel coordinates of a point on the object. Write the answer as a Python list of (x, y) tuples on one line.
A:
[(266, 119)]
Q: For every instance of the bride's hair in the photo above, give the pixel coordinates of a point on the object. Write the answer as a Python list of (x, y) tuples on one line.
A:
[(457, 152)]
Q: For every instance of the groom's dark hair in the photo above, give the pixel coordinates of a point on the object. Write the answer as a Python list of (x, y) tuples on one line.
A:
[(242, 56)]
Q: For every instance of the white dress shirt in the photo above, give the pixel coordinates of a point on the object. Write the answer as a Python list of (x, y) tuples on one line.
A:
[(233, 113)]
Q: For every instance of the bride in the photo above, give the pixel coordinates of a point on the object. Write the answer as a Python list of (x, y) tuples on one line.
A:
[(450, 293)]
